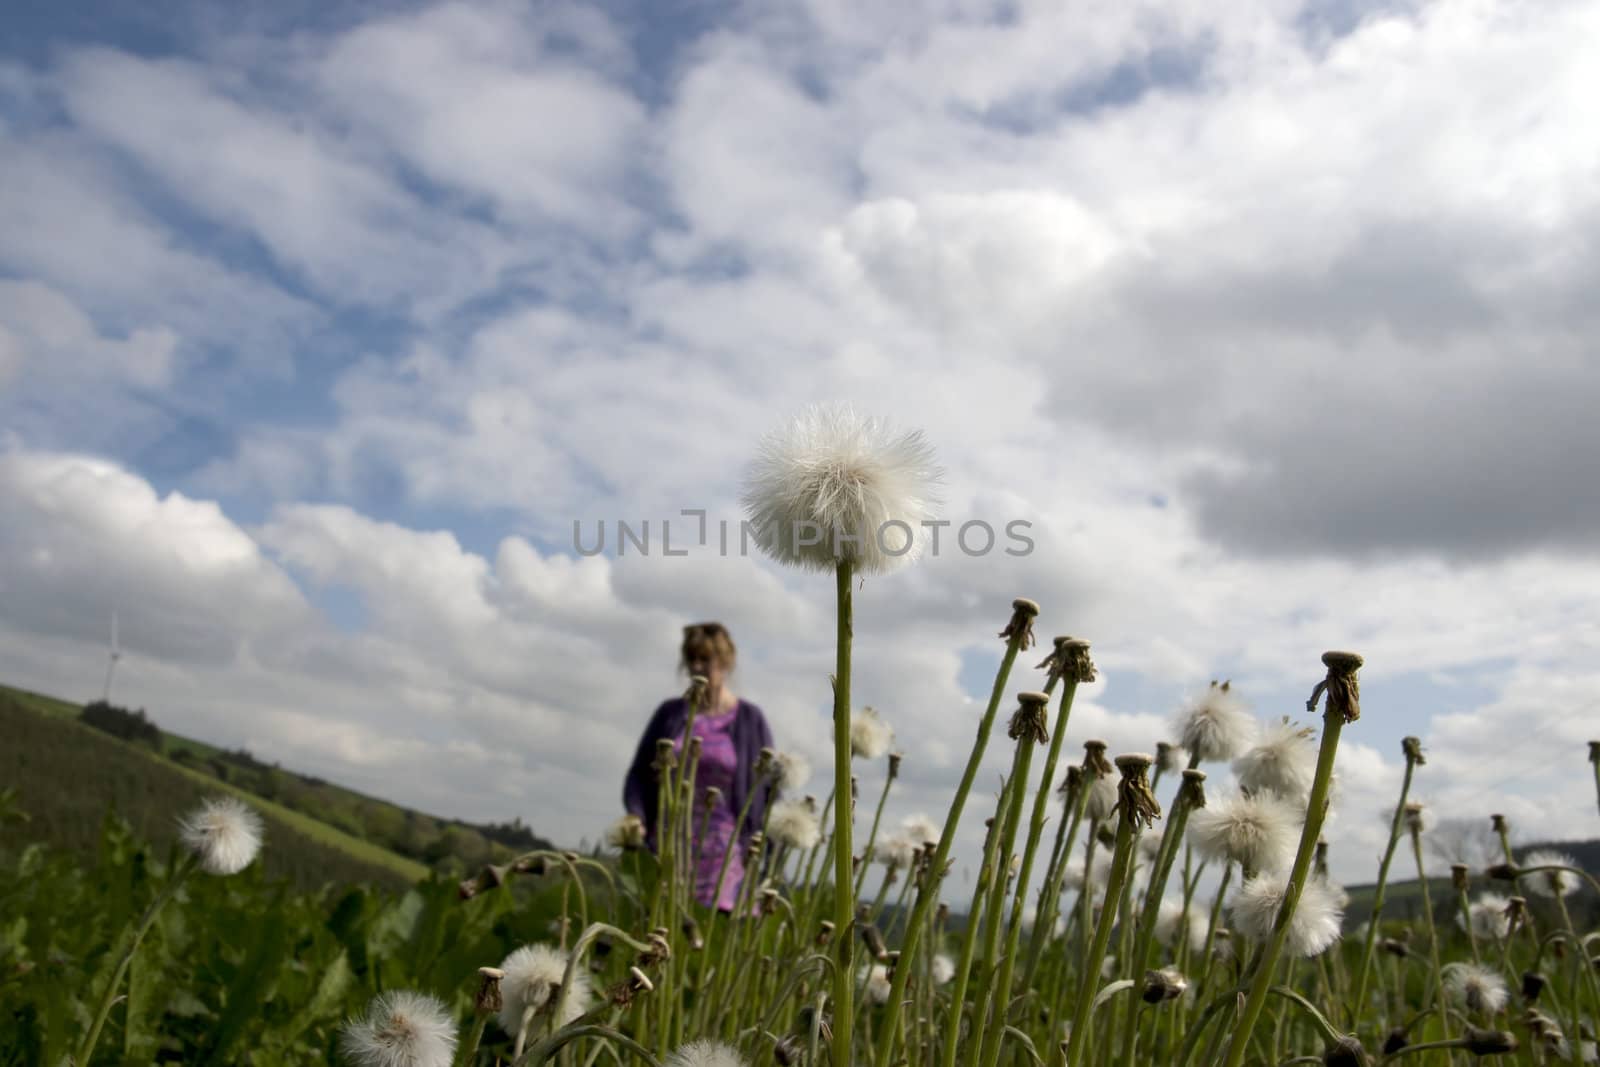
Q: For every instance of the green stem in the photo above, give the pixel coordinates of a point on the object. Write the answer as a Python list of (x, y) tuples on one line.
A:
[(1358, 1002), (1078, 1040), (928, 894), (1317, 810), (1433, 935), (872, 835), (995, 995), (108, 997), (844, 907)]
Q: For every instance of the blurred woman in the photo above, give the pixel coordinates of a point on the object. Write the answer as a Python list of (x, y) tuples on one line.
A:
[(732, 734)]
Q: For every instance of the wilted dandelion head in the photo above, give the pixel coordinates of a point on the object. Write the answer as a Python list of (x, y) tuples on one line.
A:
[(704, 1054), (1314, 925), (533, 980), (224, 832), (792, 771), (1283, 760), (1216, 725), (400, 1029), (831, 485), (1475, 988), (626, 833), (875, 981), (793, 823), (1258, 831), (870, 736), (1486, 917), (1550, 883), (921, 830)]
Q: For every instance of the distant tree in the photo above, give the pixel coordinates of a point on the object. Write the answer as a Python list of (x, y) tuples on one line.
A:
[(120, 722)]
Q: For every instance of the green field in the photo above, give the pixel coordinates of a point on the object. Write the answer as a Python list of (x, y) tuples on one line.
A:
[(382, 833), (69, 778)]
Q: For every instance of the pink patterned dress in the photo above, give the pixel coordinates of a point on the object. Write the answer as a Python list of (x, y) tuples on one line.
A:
[(719, 761)]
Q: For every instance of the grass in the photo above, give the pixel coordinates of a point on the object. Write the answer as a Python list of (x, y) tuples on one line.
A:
[(69, 777)]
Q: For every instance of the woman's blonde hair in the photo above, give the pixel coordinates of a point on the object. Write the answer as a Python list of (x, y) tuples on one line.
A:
[(708, 639)]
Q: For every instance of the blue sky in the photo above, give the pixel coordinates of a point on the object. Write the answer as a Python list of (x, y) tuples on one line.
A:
[(321, 324)]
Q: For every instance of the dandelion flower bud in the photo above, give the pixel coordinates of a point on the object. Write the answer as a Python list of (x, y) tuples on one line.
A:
[(1498, 824), (705, 1054), (1550, 883), (870, 736), (1475, 988), (1489, 1042), (831, 486), (533, 980), (895, 759), (626, 833), (1023, 612), (793, 824), (1532, 985), (699, 691), (400, 1029), (1165, 984), (1134, 797), (224, 833), (1283, 760), (1216, 726), (1259, 832), (1411, 748), (1345, 1052), (488, 1001), (1314, 925), (1459, 879)]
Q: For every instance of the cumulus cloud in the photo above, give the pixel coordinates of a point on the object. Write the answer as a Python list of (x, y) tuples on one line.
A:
[(1276, 328)]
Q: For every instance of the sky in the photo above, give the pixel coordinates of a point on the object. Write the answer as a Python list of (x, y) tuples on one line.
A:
[(323, 326)]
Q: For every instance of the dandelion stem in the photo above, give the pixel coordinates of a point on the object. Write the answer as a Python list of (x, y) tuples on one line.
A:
[(1341, 700), (1123, 852), (108, 997), (1358, 1002), (1433, 932), (844, 906)]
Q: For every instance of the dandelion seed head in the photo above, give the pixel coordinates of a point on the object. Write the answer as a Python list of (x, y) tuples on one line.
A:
[(1283, 760), (1486, 916), (830, 474), (870, 736), (1313, 927), (626, 833), (793, 823), (1102, 799), (1173, 922), (224, 832), (944, 969), (533, 980), (1475, 988), (1216, 725), (1418, 817), (1172, 759), (921, 830), (1550, 883), (1259, 831), (793, 771), (400, 1029), (894, 851), (704, 1054), (875, 980)]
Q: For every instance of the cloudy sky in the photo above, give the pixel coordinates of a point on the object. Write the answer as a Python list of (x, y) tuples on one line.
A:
[(321, 325)]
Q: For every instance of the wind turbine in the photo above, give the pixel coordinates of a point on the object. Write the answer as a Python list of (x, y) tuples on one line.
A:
[(116, 654)]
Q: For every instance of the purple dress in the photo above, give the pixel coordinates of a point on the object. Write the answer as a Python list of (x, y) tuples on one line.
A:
[(719, 764)]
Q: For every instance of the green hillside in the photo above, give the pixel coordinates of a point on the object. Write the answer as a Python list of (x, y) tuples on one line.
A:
[(69, 777), (126, 763)]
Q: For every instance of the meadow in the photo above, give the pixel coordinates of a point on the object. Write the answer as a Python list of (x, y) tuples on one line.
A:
[(1169, 907)]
